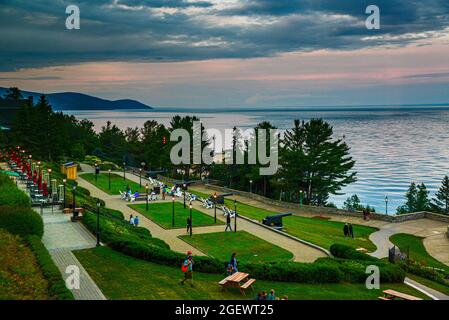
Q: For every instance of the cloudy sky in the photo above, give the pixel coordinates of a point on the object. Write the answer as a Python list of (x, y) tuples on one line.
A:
[(235, 53)]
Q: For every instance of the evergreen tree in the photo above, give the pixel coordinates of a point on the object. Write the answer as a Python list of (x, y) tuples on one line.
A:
[(13, 93), (417, 199), (441, 200), (422, 199)]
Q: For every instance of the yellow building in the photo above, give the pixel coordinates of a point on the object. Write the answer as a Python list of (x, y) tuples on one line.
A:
[(70, 169)]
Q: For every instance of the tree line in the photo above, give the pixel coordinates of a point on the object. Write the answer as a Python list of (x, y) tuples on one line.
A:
[(313, 163)]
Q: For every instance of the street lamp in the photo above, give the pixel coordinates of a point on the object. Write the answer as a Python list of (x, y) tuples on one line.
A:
[(250, 186), (109, 176), (124, 171), (73, 204), (235, 215), (98, 223), (300, 197), (386, 204), (173, 213), (96, 173), (49, 178), (191, 222), (215, 207), (29, 157), (146, 187), (64, 181), (184, 189), (140, 178)]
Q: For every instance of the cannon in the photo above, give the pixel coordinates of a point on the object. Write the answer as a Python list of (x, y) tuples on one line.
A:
[(275, 221), (220, 198)]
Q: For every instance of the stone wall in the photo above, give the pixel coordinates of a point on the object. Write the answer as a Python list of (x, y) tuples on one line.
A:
[(331, 211)]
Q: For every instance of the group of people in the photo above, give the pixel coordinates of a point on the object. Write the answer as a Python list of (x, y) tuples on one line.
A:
[(348, 230), (134, 221), (262, 295), (366, 214)]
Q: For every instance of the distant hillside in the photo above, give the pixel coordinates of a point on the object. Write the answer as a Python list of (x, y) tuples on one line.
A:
[(80, 101)]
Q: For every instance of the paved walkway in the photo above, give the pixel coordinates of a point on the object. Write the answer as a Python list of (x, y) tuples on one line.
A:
[(61, 236), (433, 294), (301, 252)]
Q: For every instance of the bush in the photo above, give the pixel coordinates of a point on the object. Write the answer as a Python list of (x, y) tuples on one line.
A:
[(22, 221), (347, 252), (424, 272), (57, 287), (10, 195)]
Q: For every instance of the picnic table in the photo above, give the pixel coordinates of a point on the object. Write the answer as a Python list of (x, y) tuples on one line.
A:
[(393, 295), (238, 280)]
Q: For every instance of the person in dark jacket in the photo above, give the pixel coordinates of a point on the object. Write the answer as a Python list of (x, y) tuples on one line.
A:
[(228, 222), (346, 230), (351, 231)]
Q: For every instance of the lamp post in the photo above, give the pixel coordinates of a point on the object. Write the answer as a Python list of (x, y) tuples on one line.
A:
[(64, 181), (215, 207), (300, 197), (235, 215), (109, 177), (38, 168), (49, 179), (140, 178), (146, 188), (29, 158), (98, 223), (74, 204), (173, 213), (191, 222), (124, 171), (250, 186), (386, 204), (184, 189), (96, 173)]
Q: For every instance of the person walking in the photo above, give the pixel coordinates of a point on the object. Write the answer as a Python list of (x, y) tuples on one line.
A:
[(189, 224), (187, 268), (136, 221), (228, 222), (351, 231), (346, 230), (131, 220), (271, 295)]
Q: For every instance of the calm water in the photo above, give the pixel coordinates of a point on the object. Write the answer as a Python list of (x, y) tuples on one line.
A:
[(392, 146)]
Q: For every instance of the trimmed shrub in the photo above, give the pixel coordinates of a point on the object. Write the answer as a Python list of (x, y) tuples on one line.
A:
[(57, 287), (424, 272), (22, 221), (10, 194), (347, 252)]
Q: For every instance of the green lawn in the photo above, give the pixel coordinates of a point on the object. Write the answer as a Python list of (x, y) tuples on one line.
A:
[(161, 213), (417, 250), (249, 248), (117, 183), (123, 277), (320, 232)]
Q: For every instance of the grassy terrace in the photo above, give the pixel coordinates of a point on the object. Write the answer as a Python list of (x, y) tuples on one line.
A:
[(315, 230), (117, 183), (248, 247), (417, 250), (123, 277), (161, 213), (20, 274)]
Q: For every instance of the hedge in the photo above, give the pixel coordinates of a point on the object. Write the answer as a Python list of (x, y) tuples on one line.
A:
[(138, 243), (10, 194), (57, 286), (424, 272), (22, 221), (347, 252)]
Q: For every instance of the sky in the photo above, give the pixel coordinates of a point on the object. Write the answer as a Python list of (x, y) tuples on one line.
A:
[(230, 53)]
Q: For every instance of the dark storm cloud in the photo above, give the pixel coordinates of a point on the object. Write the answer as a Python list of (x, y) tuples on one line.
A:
[(33, 33)]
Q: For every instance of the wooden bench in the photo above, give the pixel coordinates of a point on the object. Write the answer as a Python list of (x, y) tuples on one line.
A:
[(383, 298), (392, 294), (224, 281), (247, 285), (69, 210)]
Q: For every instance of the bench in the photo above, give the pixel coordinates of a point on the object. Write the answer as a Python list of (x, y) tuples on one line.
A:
[(69, 210), (392, 294), (383, 298), (224, 281), (247, 285)]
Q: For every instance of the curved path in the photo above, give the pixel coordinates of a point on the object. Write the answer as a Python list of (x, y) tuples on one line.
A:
[(301, 252)]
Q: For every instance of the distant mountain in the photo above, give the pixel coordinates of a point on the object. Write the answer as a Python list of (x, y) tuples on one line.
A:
[(80, 101)]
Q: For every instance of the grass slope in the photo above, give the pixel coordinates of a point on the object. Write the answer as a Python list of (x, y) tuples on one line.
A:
[(417, 250), (162, 213), (123, 277), (249, 248), (20, 274)]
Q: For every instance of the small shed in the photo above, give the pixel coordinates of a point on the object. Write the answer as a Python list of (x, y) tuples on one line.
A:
[(70, 170)]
